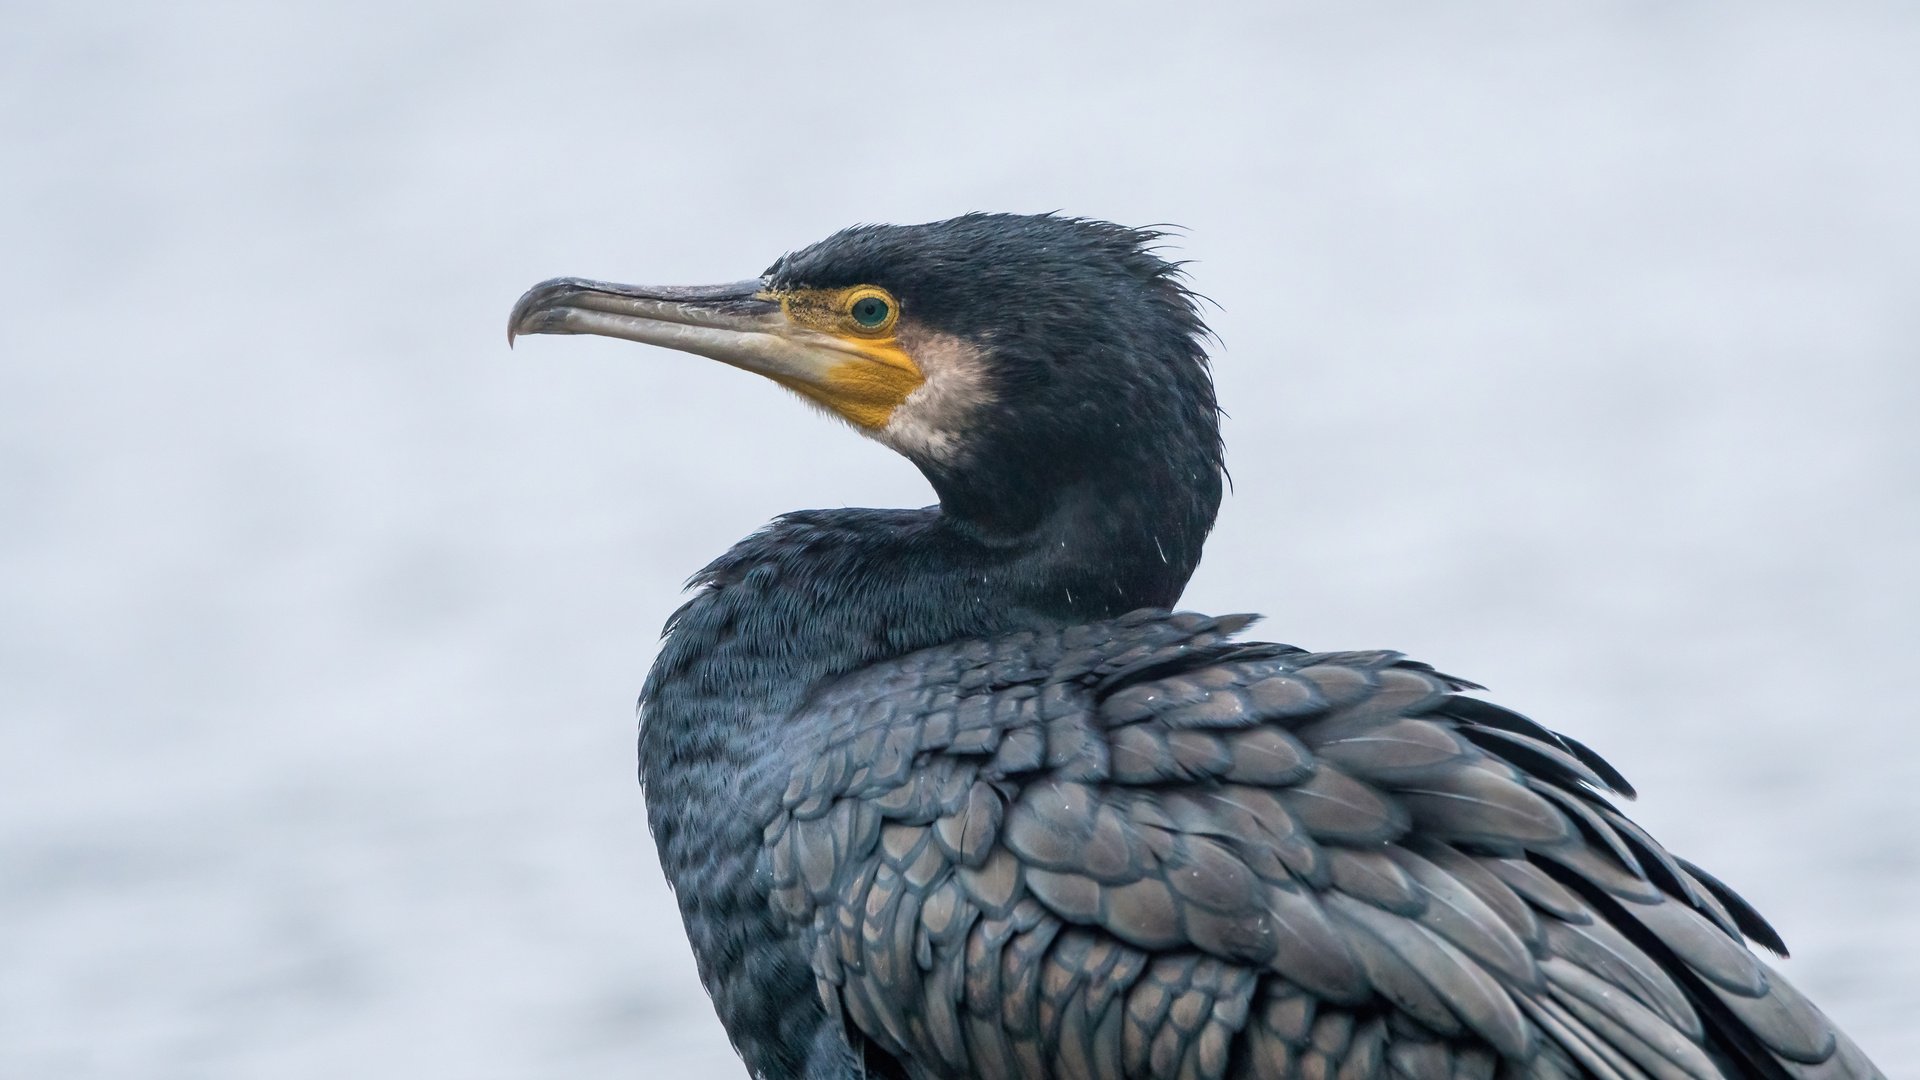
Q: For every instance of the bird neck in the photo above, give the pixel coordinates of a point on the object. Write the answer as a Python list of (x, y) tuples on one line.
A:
[(821, 592), (1095, 550), (879, 583)]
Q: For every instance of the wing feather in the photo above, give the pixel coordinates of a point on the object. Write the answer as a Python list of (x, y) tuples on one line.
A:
[(1136, 851), (1640, 1033)]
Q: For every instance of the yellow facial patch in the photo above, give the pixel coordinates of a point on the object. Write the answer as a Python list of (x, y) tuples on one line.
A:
[(877, 374)]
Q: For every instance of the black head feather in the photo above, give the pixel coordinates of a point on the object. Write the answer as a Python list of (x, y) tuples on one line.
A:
[(1095, 358)]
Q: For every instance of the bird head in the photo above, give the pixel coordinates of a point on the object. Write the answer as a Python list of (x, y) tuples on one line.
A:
[(1014, 359)]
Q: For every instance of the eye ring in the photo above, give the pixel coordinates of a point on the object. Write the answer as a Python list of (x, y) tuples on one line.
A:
[(871, 309)]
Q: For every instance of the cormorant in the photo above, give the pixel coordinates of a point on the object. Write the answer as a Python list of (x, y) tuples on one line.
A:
[(951, 793)]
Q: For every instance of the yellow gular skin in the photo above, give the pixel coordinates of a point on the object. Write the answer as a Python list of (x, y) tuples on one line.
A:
[(877, 374)]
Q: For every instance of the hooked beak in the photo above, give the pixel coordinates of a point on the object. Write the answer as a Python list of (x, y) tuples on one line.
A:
[(743, 324), (738, 324)]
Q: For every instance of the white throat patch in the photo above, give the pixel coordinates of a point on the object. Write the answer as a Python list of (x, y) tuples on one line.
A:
[(932, 422)]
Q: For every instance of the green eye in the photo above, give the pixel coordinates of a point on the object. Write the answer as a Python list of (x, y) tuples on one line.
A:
[(870, 311)]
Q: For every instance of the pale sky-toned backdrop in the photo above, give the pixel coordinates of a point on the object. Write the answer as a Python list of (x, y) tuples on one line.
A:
[(1574, 348)]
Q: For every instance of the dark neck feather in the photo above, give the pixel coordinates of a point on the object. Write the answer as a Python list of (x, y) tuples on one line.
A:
[(820, 592)]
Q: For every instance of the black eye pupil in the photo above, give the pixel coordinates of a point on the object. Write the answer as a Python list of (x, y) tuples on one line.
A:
[(870, 311)]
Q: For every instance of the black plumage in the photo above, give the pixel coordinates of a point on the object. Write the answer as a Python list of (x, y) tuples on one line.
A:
[(949, 793)]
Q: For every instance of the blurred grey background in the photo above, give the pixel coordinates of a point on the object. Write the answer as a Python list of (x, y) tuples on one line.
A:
[(1571, 347)]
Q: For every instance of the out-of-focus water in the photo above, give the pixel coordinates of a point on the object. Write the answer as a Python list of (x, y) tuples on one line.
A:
[(1571, 348)]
